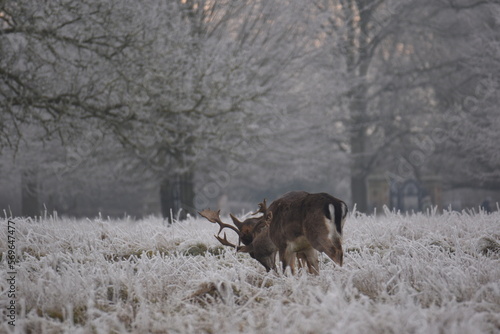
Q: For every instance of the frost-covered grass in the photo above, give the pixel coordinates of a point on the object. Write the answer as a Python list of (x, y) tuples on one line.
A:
[(401, 274)]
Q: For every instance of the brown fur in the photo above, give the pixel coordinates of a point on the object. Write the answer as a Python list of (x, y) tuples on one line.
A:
[(297, 226)]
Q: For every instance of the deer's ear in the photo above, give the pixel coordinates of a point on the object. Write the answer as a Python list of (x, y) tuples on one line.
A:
[(269, 217)]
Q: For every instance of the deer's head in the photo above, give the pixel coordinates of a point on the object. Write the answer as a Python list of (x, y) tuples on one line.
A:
[(252, 233)]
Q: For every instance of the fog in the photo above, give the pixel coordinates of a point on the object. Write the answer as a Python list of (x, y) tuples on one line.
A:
[(117, 107)]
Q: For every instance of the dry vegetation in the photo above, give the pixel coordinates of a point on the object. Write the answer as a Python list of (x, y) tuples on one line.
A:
[(401, 274)]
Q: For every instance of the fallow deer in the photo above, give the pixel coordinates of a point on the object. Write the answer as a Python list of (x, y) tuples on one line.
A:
[(296, 225), (253, 233), (304, 223)]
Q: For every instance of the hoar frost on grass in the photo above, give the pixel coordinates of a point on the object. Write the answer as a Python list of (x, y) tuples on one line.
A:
[(402, 274)]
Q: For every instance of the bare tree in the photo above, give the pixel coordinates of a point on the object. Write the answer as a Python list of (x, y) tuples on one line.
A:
[(170, 81), (397, 56), (470, 97)]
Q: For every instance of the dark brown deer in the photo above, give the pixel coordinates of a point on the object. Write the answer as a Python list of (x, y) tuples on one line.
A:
[(253, 233), (296, 225), (304, 223)]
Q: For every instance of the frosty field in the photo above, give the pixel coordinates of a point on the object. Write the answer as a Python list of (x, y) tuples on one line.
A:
[(437, 273)]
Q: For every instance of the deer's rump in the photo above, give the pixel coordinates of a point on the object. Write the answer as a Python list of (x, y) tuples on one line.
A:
[(297, 209), (302, 221)]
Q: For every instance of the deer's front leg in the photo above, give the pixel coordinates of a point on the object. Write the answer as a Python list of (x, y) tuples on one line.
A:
[(287, 257)]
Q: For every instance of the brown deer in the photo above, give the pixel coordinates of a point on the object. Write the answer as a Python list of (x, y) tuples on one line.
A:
[(303, 223), (296, 225), (253, 233)]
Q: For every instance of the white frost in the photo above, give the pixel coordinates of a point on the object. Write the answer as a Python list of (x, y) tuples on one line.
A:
[(401, 274)]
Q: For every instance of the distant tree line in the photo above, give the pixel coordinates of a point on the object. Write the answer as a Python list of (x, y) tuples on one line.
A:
[(193, 99)]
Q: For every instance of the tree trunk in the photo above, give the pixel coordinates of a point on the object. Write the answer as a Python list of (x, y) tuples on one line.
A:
[(177, 196), (359, 191), (29, 193), (358, 62)]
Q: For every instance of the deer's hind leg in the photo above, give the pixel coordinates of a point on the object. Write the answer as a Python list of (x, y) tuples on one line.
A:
[(325, 239), (310, 257)]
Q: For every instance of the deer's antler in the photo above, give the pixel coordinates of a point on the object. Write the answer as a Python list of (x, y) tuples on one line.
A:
[(262, 208), (213, 217), (226, 242)]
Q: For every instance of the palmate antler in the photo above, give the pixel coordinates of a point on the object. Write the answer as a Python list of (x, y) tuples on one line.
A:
[(262, 208), (213, 217), (226, 242)]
